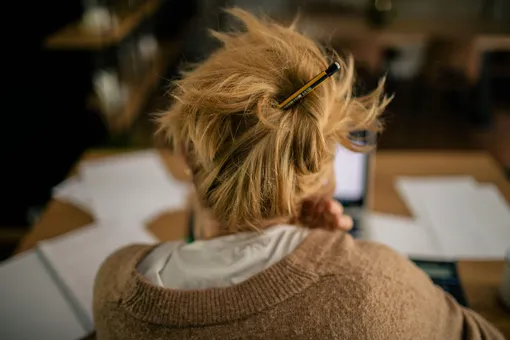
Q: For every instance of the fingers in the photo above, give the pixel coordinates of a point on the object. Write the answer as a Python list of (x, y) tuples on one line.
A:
[(334, 207), (345, 223), (325, 213), (334, 218)]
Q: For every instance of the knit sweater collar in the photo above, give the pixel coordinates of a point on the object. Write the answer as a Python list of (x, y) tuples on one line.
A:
[(181, 308)]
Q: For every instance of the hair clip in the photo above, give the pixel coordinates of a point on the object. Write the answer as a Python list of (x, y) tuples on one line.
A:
[(308, 87)]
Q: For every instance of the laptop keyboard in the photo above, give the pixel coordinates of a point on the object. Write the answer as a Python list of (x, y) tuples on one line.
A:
[(449, 281)]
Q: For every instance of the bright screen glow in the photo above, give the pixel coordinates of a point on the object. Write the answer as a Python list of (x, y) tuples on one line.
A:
[(350, 169)]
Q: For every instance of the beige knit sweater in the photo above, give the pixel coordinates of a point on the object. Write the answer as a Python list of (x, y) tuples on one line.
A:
[(330, 287)]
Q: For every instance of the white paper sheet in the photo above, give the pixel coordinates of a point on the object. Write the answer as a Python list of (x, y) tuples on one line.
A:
[(32, 305), (493, 218), (134, 186), (75, 258), (409, 189), (73, 191), (470, 222), (404, 235)]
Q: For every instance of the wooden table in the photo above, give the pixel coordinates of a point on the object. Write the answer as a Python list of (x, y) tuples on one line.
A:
[(480, 279)]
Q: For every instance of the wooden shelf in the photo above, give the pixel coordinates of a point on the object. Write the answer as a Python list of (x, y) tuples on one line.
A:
[(74, 36), (139, 92)]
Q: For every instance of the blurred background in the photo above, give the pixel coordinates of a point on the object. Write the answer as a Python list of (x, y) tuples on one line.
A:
[(80, 74)]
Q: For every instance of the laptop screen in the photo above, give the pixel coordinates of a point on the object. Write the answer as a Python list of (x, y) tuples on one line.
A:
[(351, 173)]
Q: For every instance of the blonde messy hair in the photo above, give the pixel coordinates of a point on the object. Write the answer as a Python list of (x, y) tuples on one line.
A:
[(252, 163)]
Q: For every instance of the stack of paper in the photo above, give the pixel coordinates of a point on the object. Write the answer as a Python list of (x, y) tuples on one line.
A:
[(132, 187), (47, 293), (73, 191), (75, 258), (454, 217), (32, 304)]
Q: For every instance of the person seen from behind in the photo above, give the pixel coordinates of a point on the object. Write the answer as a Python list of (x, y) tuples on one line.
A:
[(273, 259)]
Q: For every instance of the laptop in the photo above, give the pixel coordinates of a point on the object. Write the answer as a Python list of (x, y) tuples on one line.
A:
[(353, 178)]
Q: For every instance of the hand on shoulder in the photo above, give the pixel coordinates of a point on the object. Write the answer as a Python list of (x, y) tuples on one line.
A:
[(320, 212)]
